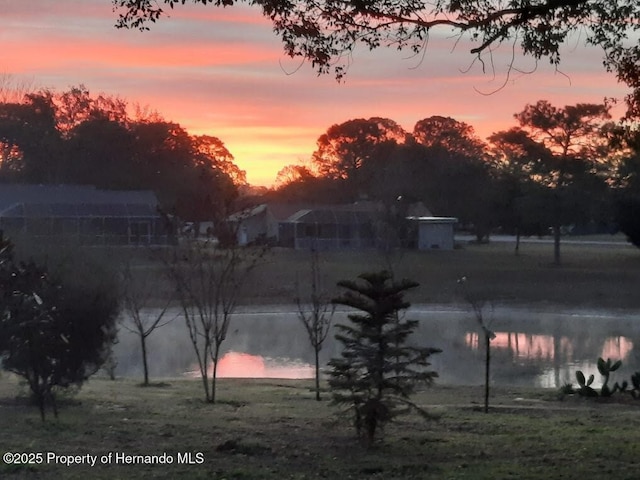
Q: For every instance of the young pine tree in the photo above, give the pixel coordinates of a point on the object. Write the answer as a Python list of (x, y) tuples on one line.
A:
[(377, 371)]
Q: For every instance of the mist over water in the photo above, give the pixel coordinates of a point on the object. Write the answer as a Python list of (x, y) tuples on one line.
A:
[(534, 348)]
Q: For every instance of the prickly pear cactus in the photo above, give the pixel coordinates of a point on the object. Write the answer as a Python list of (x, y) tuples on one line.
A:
[(584, 385), (605, 368)]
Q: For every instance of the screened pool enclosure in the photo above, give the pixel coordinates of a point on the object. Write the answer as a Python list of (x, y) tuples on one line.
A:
[(81, 214)]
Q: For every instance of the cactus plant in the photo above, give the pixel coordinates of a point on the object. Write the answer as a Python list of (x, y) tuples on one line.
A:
[(605, 368), (584, 385)]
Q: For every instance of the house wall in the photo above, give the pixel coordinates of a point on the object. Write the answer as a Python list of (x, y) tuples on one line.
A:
[(259, 227), (435, 236)]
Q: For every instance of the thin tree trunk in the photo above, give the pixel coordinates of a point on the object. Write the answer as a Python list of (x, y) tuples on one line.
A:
[(317, 374), (145, 365), (487, 365), (205, 379), (214, 376), (517, 241)]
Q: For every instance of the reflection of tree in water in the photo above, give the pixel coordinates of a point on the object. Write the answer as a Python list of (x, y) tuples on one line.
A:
[(271, 335), (574, 341), (523, 355)]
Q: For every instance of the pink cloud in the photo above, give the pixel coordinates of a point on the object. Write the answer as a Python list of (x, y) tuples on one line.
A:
[(223, 72)]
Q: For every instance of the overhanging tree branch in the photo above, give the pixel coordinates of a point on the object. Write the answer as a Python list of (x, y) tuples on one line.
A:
[(322, 31)]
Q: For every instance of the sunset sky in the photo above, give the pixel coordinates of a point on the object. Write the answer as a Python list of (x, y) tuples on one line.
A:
[(223, 72)]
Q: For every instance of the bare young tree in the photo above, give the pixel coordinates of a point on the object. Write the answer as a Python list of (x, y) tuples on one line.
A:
[(477, 305), (209, 281), (139, 291), (316, 314)]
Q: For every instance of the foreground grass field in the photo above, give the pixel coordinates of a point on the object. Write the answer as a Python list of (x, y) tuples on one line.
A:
[(276, 430), (271, 429)]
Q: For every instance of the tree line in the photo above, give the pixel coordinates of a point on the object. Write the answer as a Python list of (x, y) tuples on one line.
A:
[(556, 168), (75, 137)]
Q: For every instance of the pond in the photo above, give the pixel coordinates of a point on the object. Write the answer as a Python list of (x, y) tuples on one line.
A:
[(542, 347)]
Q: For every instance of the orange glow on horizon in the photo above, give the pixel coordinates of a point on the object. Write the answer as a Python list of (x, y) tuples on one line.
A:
[(222, 72)]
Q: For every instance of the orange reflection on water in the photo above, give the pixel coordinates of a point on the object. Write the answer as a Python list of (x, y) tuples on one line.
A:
[(616, 348), (244, 365), (240, 365), (534, 346)]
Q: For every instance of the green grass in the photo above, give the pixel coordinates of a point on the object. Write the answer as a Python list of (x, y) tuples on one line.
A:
[(275, 430), (590, 276)]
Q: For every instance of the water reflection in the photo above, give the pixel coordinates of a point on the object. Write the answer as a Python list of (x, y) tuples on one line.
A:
[(554, 352), (531, 347), (244, 365)]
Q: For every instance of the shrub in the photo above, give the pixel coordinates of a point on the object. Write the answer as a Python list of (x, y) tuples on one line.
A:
[(377, 371), (53, 334)]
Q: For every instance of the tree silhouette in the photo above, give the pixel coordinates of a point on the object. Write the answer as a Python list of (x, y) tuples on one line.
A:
[(348, 151), (561, 150), (211, 152), (449, 134), (451, 183), (30, 127), (326, 32), (292, 174), (521, 206), (78, 138), (627, 190)]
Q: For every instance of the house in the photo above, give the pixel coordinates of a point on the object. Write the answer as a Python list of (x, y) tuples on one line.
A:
[(299, 225), (260, 224), (330, 228), (256, 224), (347, 226), (82, 214)]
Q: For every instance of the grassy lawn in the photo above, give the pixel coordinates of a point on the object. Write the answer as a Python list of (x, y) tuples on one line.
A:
[(273, 429), (591, 276), (266, 429)]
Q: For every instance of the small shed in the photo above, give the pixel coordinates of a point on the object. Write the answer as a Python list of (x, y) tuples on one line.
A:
[(435, 233)]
